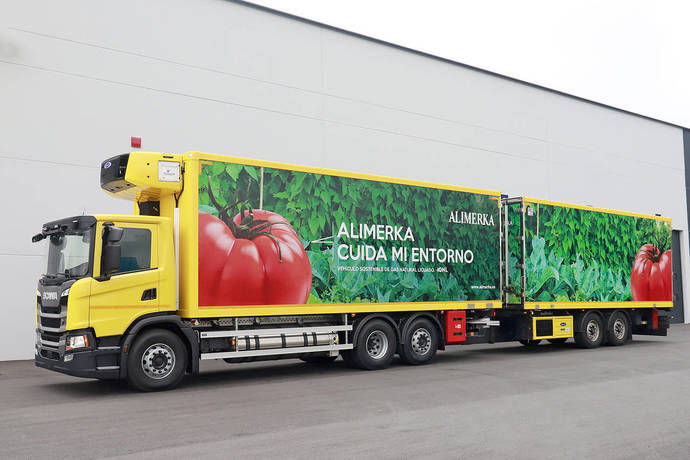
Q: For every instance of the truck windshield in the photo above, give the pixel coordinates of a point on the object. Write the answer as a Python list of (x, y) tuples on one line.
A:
[(67, 254)]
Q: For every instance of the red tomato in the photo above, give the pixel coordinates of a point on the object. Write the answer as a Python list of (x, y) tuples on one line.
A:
[(261, 262), (650, 279)]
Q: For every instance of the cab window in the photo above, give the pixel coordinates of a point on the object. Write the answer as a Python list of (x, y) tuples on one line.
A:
[(135, 250)]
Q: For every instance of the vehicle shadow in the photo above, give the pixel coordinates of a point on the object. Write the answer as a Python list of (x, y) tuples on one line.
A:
[(79, 388), (219, 374), (264, 371)]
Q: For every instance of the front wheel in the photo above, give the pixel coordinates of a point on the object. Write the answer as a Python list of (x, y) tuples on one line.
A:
[(157, 361)]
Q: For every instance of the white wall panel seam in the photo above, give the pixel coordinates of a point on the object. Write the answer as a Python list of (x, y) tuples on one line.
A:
[(279, 112), (306, 90)]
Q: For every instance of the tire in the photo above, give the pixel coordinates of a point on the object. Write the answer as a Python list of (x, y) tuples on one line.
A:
[(559, 341), (319, 360), (618, 329), (376, 345), (157, 361), (592, 333), (420, 342), (530, 343)]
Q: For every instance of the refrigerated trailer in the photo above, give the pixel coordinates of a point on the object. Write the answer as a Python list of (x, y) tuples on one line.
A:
[(241, 260)]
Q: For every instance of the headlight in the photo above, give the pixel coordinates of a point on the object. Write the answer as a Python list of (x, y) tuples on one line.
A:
[(65, 292), (77, 341)]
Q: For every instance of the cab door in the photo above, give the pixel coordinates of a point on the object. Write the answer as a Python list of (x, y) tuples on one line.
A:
[(133, 290)]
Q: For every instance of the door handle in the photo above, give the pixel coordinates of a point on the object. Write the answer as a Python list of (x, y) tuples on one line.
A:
[(149, 294)]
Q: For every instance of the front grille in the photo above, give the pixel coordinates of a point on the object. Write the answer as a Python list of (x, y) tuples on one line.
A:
[(51, 310), (51, 337), (54, 323), (52, 342), (49, 354)]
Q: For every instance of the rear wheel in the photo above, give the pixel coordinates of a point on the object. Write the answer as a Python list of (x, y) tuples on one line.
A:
[(420, 342), (376, 345), (157, 361), (618, 329), (592, 333)]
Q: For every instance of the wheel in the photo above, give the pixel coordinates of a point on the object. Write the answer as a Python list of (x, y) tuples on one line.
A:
[(559, 341), (420, 342), (618, 329), (376, 345), (530, 343), (592, 333), (157, 361), (319, 360)]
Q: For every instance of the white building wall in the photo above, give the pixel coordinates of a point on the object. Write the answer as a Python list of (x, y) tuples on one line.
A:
[(78, 78)]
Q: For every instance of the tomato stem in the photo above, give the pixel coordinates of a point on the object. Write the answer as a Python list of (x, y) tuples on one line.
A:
[(249, 227), (660, 242)]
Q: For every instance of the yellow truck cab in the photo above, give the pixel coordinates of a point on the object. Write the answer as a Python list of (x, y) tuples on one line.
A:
[(108, 276), (238, 259)]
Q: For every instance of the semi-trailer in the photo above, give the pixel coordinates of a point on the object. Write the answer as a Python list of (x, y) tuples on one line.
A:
[(239, 259)]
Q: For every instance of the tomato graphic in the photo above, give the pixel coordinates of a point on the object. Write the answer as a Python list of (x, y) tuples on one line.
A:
[(255, 258), (650, 279)]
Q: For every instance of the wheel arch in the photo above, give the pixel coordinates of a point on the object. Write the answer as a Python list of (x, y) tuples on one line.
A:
[(626, 313), (357, 326), (174, 324), (580, 319)]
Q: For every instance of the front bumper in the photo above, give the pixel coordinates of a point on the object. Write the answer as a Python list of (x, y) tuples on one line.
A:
[(95, 363), (83, 364)]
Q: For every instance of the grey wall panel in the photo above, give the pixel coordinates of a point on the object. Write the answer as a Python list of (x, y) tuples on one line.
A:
[(81, 77)]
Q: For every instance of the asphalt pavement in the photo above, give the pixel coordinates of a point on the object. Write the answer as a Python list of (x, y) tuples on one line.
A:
[(488, 401)]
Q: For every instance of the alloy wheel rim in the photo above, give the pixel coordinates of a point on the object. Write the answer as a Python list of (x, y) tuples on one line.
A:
[(377, 344), (619, 329), (158, 361), (421, 341), (593, 330)]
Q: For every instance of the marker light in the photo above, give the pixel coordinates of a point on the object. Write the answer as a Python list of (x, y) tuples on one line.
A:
[(136, 142)]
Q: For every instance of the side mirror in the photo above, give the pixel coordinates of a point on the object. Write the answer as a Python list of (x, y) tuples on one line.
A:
[(110, 255), (112, 234), (110, 260)]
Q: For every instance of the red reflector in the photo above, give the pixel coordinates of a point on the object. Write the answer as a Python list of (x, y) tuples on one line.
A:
[(136, 142)]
